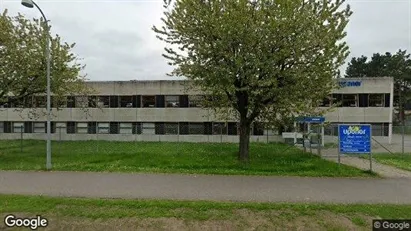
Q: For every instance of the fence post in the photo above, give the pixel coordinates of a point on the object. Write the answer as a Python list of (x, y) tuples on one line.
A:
[(221, 134), (59, 139), (21, 138), (310, 139), (402, 137), (319, 144), (97, 131), (267, 135)]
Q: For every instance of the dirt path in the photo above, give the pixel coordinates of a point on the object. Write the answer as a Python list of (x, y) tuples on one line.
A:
[(207, 187)]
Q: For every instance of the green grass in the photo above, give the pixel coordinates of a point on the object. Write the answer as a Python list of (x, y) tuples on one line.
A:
[(322, 215), (198, 158), (402, 161)]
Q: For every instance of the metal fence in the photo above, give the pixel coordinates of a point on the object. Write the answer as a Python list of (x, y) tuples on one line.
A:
[(216, 133)]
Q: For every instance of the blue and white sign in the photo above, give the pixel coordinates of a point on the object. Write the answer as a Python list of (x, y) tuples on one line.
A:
[(315, 119), (350, 83), (354, 139)]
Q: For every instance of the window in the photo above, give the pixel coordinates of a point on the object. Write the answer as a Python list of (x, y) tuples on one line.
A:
[(387, 100), (103, 128), (126, 101), (1, 127), (40, 101), (92, 128), (17, 103), (92, 101), (326, 102), (336, 100), (81, 101), (71, 127), (195, 128), (219, 129), (18, 127), (58, 102), (172, 101), (183, 128), (71, 101), (39, 127), (233, 128), (363, 100), (60, 127), (159, 129), (28, 127), (114, 127), (82, 128), (148, 101), (195, 100), (258, 129), (28, 102), (103, 102), (183, 100), (376, 100), (170, 128), (137, 128), (148, 128), (126, 128), (350, 100), (114, 101), (4, 102), (7, 127), (377, 129), (160, 101)]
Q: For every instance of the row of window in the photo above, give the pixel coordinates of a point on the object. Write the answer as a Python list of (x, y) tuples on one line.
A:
[(357, 100), (182, 101), (157, 128), (113, 101)]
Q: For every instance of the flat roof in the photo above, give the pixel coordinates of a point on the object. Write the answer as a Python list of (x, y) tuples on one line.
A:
[(182, 80)]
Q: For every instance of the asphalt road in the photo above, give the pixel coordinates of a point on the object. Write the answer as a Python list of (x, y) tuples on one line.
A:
[(206, 187)]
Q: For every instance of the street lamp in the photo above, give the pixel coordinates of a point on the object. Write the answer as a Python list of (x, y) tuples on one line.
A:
[(31, 4)]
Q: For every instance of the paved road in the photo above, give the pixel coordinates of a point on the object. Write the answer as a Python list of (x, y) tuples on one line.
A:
[(206, 187)]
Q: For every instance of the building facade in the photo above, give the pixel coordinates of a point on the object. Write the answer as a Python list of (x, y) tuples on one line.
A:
[(167, 111)]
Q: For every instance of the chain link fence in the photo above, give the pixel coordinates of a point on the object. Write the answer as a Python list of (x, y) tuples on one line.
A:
[(100, 136)]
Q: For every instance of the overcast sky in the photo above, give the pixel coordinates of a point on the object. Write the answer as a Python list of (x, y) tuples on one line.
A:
[(116, 41)]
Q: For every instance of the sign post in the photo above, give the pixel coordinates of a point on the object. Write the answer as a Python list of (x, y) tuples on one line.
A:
[(354, 139)]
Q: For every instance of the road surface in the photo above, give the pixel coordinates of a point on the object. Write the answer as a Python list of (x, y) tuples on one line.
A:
[(206, 187)]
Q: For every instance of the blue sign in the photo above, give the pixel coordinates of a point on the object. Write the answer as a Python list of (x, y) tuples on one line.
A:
[(315, 119), (350, 83), (354, 139)]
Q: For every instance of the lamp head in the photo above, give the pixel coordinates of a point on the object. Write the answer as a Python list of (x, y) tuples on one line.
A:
[(27, 3)]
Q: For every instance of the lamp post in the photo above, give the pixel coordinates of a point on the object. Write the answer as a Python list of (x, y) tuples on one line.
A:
[(31, 4)]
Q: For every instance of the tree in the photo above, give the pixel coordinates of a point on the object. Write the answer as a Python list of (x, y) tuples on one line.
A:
[(397, 66), (23, 63), (258, 60)]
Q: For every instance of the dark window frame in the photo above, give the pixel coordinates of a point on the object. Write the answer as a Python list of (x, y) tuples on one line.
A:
[(149, 104)]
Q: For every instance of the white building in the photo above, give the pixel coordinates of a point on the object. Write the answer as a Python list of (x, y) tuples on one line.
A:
[(165, 111)]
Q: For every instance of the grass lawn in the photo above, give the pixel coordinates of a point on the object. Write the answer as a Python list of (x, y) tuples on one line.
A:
[(402, 161), (199, 158), (116, 214)]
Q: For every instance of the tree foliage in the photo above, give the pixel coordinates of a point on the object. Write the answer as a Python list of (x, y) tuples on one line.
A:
[(23, 63), (259, 60)]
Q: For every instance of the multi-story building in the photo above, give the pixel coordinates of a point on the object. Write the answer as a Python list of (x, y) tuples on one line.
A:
[(167, 111)]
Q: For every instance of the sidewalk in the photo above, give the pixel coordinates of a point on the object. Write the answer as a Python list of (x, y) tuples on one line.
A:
[(381, 169), (207, 187)]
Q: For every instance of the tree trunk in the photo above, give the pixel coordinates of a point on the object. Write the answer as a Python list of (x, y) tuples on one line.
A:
[(245, 129)]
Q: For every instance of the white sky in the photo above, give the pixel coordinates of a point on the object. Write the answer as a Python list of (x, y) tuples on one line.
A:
[(116, 41)]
